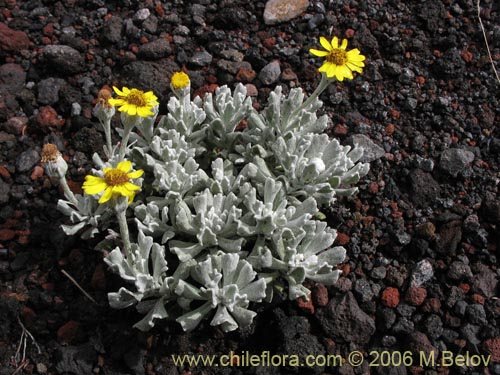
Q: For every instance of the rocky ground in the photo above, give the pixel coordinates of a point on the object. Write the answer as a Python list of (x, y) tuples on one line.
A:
[(422, 234)]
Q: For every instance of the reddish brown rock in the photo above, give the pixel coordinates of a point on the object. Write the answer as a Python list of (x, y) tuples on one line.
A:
[(346, 269), (68, 332), (416, 296), (467, 55), (432, 305), (342, 239), (373, 187), (479, 299), (47, 117), (340, 130), (4, 172), (269, 43), (390, 297), (320, 295), (288, 75), (7, 234), (37, 173), (203, 90), (389, 129), (492, 347), (48, 29), (349, 33), (75, 187), (306, 305), (246, 75), (12, 40)]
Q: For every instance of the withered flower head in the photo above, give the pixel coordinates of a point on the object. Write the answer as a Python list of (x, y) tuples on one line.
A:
[(103, 97), (50, 153), (54, 164)]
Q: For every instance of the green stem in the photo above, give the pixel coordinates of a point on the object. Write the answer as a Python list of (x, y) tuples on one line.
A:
[(67, 191)]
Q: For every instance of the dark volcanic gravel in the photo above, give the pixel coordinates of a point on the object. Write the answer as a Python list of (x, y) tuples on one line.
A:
[(421, 235)]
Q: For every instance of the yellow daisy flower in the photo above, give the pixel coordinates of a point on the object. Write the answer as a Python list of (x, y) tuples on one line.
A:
[(116, 181), (134, 102), (179, 80), (339, 63)]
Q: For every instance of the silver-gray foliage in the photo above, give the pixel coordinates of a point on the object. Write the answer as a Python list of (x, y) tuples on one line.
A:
[(227, 217)]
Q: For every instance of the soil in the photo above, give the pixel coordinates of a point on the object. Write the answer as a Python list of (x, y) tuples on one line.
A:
[(421, 235)]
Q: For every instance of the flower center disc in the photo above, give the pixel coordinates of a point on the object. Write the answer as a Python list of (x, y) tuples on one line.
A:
[(136, 98), (337, 57), (115, 177)]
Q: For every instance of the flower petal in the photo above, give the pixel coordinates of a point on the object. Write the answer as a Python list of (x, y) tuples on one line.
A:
[(108, 193), (89, 179), (124, 108), (144, 111), (325, 68), (124, 166), (353, 55), (122, 191), (344, 44), (357, 63), (94, 189), (343, 72), (317, 52), (354, 68), (116, 102), (94, 185), (335, 42), (150, 96), (324, 43), (132, 110), (136, 174), (331, 71), (131, 187), (118, 92)]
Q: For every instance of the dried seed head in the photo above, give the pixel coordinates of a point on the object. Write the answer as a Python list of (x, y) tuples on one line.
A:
[(50, 153)]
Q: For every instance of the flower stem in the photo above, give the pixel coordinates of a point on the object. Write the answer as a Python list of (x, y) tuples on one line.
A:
[(128, 124), (323, 84), (67, 191), (124, 233), (124, 144), (107, 132)]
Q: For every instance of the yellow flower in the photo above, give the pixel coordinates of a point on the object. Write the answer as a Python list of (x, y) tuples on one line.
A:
[(339, 63), (116, 181), (179, 80), (134, 102)]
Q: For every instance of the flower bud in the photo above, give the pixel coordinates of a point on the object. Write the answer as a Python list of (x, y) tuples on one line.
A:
[(180, 84)]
